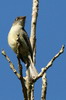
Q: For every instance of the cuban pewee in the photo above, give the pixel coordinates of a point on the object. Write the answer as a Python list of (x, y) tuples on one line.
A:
[(18, 35)]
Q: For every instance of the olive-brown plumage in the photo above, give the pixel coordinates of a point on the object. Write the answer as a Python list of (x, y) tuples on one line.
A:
[(17, 32)]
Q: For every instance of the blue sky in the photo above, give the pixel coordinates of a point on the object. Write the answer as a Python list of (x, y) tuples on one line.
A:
[(51, 34)]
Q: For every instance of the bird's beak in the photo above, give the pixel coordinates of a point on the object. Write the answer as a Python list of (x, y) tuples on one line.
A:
[(23, 17)]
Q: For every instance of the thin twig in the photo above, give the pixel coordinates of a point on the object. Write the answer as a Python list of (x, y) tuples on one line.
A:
[(19, 66), (11, 65)]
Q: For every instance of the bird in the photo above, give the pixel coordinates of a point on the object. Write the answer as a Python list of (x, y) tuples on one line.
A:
[(19, 42)]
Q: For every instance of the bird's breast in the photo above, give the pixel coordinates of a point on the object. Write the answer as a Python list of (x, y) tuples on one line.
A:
[(12, 37), (12, 41)]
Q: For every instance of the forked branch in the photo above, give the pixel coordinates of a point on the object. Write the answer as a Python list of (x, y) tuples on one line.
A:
[(50, 63), (19, 76)]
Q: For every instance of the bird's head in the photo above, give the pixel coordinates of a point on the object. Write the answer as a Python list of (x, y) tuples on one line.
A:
[(20, 20)]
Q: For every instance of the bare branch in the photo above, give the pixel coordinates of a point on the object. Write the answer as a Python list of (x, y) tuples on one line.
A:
[(33, 27), (33, 36), (11, 64), (50, 63), (24, 88), (20, 77), (19, 66), (44, 87), (32, 92)]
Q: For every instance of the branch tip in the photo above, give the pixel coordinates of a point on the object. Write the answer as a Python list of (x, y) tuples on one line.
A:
[(62, 49), (3, 52)]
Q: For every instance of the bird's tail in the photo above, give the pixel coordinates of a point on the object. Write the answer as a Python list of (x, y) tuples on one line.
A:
[(32, 69)]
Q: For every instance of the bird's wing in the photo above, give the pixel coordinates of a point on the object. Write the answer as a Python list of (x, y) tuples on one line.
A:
[(26, 38)]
